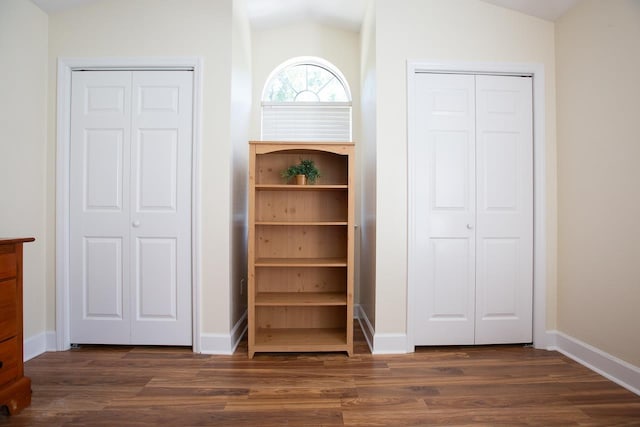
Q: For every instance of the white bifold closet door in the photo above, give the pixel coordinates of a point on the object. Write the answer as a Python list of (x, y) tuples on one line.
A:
[(130, 207), (473, 209)]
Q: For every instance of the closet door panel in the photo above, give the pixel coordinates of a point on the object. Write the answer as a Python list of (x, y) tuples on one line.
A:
[(160, 289), (504, 282), (444, 195), (99, 206)]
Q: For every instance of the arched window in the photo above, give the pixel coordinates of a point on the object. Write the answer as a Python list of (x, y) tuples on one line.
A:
[(306, 99)]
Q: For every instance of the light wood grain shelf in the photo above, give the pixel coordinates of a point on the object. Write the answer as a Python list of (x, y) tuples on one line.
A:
[(300, 223), (300, 262), (301, 299), (301, 339), (290, 187)]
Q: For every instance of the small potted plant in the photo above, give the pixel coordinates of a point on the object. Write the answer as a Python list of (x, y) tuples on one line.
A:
[(305, 171)]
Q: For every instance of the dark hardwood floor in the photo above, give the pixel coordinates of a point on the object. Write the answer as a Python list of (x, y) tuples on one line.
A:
[(151, 386)]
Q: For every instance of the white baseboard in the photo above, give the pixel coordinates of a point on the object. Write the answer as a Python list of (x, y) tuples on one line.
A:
[(36, 345), (389, 343), (380, 343), (550, 341), (616, 370), (365, 325), (224, 344)]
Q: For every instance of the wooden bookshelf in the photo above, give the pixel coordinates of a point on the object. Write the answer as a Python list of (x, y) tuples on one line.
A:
[(301, 250)]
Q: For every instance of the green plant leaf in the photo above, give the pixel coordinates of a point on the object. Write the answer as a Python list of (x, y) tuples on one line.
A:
[(306, 167)]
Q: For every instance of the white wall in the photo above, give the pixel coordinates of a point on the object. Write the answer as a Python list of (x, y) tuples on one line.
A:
[(122, 28), (453, 30), (272, 47), (367, 168), (598, 64), (240, 117), (23, 147)]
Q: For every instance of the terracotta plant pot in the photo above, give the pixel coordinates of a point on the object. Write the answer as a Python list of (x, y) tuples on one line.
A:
[(301, 179)]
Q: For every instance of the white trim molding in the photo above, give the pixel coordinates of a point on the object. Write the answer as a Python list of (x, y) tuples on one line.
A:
[(224, 344), (387, 343), (365, 325), (65, 67), (605, 364), (380, 343), (36, 345), (536, 71)]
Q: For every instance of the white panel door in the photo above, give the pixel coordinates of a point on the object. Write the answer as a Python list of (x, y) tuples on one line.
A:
[(161, 207), (130, 199), (473, 209), (444, 167), (99, 207), (504, 231)]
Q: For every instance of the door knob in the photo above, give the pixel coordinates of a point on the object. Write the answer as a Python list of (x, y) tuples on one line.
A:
[(136, 224), (469, 227)]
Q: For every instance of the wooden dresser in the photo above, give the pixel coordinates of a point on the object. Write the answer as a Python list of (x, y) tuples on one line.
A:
[(15, 388)]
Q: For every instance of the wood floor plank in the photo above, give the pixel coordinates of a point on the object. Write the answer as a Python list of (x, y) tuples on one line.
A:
[(488, 417), (418, 391), (304, 393), (181, 403), (392, 403), (291, 404), (189, 390), (96, 386), (613, 410)]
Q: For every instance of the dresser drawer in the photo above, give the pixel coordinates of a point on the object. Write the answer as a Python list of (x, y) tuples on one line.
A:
[(8, 360), (8, 309), (8, 266)]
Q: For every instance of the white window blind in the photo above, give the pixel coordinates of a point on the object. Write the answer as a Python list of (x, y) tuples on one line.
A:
[(306, 122)]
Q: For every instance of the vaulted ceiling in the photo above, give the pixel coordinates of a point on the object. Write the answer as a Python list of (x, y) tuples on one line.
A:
[(545, 9), (346, 14)]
